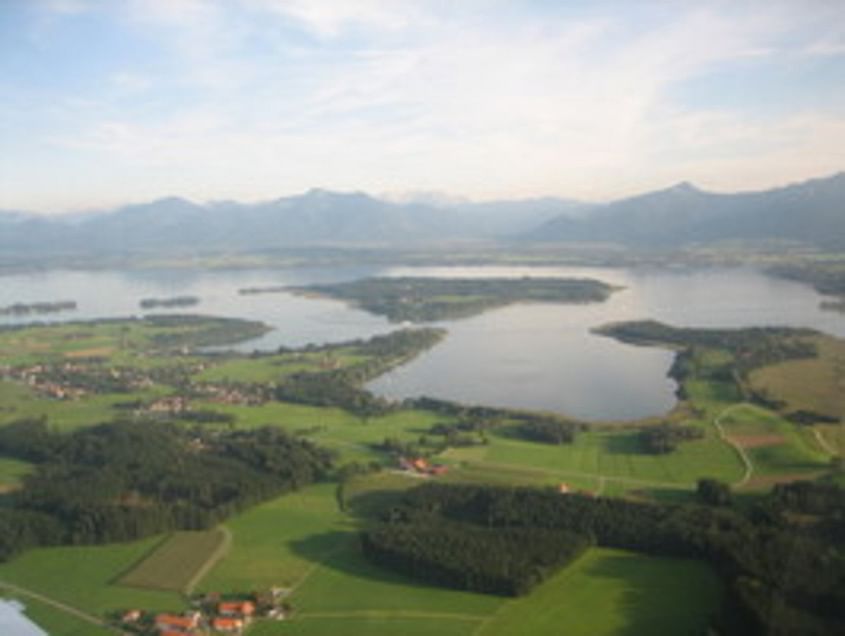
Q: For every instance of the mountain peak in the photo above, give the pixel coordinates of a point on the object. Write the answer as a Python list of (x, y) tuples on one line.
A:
[(684, 187)]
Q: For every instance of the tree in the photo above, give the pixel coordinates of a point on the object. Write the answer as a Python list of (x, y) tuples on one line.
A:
[(713, 492)]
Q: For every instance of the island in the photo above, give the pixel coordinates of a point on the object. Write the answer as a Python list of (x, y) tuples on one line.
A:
[(25, 309), (176, 301), (409, 299)]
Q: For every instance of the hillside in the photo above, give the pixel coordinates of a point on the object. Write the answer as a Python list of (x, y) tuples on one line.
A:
[(812, 212)]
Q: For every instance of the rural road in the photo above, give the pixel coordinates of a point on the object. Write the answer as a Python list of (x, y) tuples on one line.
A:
[(746, 461), (88, 618)]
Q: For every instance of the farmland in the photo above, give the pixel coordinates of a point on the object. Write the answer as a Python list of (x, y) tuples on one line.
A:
[(180, 560), (307, 541)]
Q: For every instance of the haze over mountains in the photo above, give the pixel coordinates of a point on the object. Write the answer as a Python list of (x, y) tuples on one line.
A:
[(811, 212)]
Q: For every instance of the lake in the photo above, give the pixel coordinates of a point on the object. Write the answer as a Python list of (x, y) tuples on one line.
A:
[(525, 356), (13, 622)]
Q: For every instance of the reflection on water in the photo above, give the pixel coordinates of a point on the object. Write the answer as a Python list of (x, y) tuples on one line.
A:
[(529, 356)]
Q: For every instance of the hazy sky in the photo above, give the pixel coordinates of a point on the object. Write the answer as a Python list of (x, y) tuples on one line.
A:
[(108, 101)]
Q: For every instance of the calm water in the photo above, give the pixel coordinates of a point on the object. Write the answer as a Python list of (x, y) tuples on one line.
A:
[(13, 622), (531, 356)]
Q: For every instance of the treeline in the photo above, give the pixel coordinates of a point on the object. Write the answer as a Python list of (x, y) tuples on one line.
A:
[(466, 556), (25, 309), (549, 431), (342, 387), (665, 438), (539, 427), (431, 299), (123, 481), (751, 347), (782, 576)]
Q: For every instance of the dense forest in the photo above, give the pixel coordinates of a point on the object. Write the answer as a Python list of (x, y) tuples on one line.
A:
[(781, 560), (506, 561), (432, 299), (126, 480)]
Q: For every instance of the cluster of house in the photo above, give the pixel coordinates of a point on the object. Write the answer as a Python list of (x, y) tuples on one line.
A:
[(216, 617), (227, 394), (421, 466), (71, 380)]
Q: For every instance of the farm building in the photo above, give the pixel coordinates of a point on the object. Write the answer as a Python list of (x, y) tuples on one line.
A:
[(227, 625)]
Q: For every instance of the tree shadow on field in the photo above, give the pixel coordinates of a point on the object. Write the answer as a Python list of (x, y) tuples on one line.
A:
[(340, 551), (627, 443), (655, 597)]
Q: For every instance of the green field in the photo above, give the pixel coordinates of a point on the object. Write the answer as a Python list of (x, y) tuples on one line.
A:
[(85, 577), (178, 561), (614, 592), (58, 623), (816, 385), (302, 541), (12, 471), (776, 447)]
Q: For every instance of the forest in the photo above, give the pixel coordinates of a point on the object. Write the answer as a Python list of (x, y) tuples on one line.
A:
[(783, 574), (127, 480)]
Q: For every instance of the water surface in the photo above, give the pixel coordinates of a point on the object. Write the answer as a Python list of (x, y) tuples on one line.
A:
[(527, 356)]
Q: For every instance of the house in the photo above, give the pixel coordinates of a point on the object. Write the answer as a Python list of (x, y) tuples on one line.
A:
[(438, 469), (227, 625), (242, 609), (174, 623), (564, 489)]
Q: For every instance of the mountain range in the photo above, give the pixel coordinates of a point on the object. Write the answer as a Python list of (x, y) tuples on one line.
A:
[(810, 212)]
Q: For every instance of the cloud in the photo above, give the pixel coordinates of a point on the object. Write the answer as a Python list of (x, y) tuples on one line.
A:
[(262, 97)]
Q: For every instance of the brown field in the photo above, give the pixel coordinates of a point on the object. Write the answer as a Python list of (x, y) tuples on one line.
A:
[(759, 482), (758, 441), (93, 352)]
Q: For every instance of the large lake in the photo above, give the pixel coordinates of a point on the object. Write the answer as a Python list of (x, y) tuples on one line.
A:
[(528, 356)]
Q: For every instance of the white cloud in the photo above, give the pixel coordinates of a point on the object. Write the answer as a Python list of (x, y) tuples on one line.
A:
[(440, 100)]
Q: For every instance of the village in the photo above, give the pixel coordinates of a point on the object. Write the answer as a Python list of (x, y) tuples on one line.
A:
[(78, 380), (209, 614)]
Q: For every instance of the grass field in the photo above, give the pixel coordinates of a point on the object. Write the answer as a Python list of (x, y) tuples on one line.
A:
[(775, 446), (816, 385), (85, 576), (302, 541), (615, 455), (178, 561), (58, 623), (614, 592)]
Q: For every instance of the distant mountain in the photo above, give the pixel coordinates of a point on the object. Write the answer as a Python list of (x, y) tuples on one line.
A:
[(318, 217), (811, 212)]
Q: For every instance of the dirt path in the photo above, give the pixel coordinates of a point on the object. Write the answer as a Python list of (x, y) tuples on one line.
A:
[(824, 443), (743, 456), (88, 618), (212, 560)]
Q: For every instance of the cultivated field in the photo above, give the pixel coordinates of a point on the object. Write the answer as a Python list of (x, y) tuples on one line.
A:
[(816, 385), (178, 561)]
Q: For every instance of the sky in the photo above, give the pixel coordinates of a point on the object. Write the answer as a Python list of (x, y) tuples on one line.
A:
[(104, 102)]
